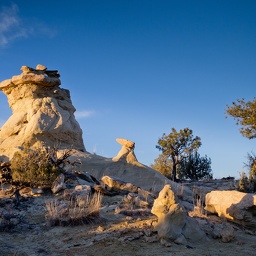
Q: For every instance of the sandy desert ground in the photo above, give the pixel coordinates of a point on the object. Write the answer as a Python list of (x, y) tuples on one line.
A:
[(111, 234)]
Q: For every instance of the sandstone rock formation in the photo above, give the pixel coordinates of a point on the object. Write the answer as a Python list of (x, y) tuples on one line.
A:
[(116, 184), (233, 205), (139, 175), (173, 221), (58, 184), (126, 153), (42, 112)]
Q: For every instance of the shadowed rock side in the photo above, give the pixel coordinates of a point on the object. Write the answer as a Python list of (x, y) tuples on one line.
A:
[(233, 205), (42, 112)]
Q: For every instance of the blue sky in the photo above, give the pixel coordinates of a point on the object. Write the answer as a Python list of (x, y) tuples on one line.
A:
[(136, 69)]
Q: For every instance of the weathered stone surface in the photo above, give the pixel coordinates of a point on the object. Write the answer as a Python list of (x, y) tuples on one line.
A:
[(42, 113), (225, 232), (86, 177), (173, 221), (233, 205), (117, 184), (58, 184), (37, 191), (140, 176), (81, 194), (41, 67), (126, 143), (126, 154), (135, 200), (83, 189)]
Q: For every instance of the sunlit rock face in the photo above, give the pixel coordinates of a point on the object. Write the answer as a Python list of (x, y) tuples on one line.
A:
[(42, 112), (173, 221), (126, 154)]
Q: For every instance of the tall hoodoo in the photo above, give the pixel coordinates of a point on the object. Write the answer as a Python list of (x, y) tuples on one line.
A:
[(42, 112)]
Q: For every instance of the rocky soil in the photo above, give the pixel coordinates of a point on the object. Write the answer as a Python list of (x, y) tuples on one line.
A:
[(112, 233)]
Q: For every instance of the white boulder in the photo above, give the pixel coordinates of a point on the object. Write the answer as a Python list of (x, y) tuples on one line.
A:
[(233, 205)]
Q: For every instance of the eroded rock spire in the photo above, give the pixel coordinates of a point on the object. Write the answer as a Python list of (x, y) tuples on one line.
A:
[(42, 112)]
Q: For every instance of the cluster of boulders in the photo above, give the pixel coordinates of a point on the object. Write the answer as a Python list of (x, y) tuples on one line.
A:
[(135, 201), (176, 224)]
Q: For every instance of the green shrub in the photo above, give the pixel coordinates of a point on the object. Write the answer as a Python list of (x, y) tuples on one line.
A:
[(38, 166), (248, 184), (245, 184), (163, 165)]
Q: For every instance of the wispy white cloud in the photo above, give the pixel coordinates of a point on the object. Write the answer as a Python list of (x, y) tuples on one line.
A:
[(84, 114), (13, 27)]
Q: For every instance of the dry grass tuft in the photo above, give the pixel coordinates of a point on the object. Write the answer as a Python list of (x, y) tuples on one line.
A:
[(198, 202), (78, 211)]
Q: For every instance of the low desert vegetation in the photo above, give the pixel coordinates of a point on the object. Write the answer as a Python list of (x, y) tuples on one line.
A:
[(77, 211), (244, 183), (34, 167), (198, 195), (39, 166), (251, 165), (247, 182)]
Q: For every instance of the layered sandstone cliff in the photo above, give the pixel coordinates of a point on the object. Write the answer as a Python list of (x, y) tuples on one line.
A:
[(42, 112)]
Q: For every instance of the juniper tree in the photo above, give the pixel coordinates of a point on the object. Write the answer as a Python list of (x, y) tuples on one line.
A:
[(176, 146), (245, 115)]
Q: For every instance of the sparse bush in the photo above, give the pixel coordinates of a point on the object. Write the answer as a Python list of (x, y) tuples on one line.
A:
[(38, 166), (163, 165), (247, 183), (244, 184), (81, 210), (198, 195), (252, 170)]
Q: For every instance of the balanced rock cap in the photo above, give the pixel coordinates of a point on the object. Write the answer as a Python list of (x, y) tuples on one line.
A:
[(39, 76), (41, 67), (126, 143)]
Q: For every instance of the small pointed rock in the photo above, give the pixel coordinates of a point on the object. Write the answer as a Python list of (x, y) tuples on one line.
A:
[(41, 67)]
